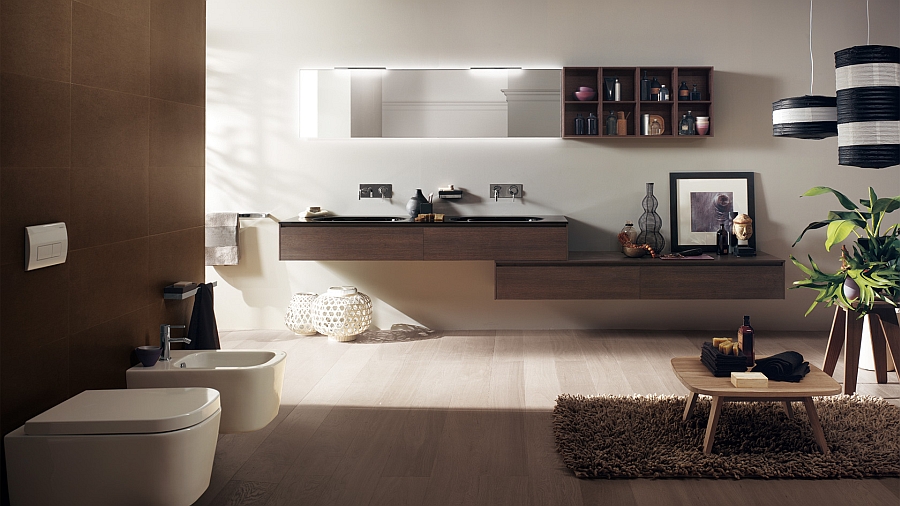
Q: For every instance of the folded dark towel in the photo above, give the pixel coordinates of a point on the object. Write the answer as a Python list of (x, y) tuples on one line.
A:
[(785, 366), (721, 364)]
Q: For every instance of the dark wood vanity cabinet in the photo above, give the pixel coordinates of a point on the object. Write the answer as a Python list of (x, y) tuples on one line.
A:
[(611, 275), (545, 240), (496, 243), (363, 242)]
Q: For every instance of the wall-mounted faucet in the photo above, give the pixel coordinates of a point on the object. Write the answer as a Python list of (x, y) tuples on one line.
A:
[(506, 191), (165, 340), (375, 191)]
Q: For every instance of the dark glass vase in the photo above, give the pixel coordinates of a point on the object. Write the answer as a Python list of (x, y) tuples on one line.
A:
[(651, 223)]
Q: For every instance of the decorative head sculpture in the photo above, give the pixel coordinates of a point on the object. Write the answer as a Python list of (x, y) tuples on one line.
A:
[(743, 227)]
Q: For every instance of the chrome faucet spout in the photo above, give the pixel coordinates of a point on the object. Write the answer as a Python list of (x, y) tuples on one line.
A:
[(165, 340)]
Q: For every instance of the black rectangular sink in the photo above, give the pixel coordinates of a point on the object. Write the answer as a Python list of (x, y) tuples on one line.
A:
[(493, 219), (359, 219)]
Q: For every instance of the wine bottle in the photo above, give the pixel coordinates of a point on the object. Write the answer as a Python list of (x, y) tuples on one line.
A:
[(745, 341), (722, 239)]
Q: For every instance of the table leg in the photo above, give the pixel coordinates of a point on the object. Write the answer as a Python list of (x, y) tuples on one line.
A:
[(689, 406), (788, 410), (891, 329), (818, 433), (878, 344), (853, 338), (714, 412), (835, 340)]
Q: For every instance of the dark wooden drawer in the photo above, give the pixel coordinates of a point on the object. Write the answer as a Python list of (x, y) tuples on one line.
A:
[(712, 282), (350, 243), (496, 243), (567, 282)]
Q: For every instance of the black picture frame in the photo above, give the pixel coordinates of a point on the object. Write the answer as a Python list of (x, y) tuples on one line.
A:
[(697, 200)]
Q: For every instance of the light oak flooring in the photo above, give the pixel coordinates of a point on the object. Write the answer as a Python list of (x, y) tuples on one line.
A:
[(465, 419)]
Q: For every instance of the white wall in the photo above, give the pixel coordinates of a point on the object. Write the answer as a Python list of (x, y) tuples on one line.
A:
[(257, 162)]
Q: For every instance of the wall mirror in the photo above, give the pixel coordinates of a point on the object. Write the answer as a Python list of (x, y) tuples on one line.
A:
[(445, 103)]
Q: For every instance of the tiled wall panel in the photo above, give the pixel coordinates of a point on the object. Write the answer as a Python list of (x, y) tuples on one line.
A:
[(94, 135)]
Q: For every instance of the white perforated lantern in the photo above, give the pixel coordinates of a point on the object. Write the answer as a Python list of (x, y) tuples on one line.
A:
[(299, 314), (342, 313)]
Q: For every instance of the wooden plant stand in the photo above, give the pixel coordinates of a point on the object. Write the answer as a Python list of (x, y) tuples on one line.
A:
[(846, 332)]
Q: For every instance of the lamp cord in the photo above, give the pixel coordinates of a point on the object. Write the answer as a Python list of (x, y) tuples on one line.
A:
[(812, 64), (867, 22)]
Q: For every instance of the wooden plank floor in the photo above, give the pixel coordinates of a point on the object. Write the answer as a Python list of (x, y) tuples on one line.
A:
[(464, 419)]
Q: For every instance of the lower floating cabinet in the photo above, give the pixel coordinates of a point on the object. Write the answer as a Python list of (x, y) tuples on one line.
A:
[(611, 275)]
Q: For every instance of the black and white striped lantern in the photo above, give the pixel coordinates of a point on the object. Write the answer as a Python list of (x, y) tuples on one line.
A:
[(806, 117), (867, 80)]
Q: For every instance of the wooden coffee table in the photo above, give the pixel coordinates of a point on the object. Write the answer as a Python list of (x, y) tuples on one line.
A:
[(697, 378)]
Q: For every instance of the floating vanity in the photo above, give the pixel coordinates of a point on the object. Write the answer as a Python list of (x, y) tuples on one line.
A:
[(611, 275), (397, 238), (532, 258)]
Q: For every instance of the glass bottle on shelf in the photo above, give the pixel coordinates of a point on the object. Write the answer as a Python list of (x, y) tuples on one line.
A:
[(687, 125), (683, 92), (695, 93), (579, 124), (645, 87), (654, 89), (592, 127), (611, 123), (629, 232), (655, 127), (664, 94), (617, 92), (722, 240)]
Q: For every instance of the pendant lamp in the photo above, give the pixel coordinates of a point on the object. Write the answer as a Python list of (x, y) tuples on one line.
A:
[(867, 79), (807, 117)]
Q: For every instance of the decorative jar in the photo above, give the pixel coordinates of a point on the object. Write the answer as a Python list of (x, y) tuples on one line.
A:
[(298, 318), (342, 313)]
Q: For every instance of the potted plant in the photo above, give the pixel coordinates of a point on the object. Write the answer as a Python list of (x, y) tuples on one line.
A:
[(869, 273)]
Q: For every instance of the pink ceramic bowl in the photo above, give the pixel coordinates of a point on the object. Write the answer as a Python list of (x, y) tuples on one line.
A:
[(585, 88), (585, 95)]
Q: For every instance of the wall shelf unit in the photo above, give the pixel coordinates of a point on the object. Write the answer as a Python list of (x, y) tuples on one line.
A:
[(669, 112)]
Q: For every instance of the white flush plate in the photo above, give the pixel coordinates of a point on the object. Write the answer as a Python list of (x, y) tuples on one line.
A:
[(45, 245)]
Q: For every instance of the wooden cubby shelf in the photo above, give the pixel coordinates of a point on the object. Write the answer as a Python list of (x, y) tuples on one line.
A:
[(668, 113)]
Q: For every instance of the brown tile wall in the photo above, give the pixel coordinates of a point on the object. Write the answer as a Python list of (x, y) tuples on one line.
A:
[(102, 127)]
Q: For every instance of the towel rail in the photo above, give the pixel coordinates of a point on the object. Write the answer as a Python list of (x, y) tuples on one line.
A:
[(253, 215), (184, 295)]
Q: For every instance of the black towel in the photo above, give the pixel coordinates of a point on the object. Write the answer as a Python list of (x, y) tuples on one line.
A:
[(202, 331), (720, 364), (785, 366)]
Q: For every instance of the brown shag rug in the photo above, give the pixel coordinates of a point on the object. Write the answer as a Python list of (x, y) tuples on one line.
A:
[(644, 437)]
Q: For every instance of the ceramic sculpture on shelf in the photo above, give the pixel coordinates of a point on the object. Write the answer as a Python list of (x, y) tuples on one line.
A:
[(342, 313), (298, 318)]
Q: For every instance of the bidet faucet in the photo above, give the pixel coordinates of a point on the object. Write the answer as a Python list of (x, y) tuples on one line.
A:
[(165, 340)]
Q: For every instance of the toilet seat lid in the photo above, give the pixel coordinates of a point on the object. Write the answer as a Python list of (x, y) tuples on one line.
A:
[(127, 411)]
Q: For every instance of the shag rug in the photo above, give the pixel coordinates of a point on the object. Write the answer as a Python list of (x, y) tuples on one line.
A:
[(644, 437)]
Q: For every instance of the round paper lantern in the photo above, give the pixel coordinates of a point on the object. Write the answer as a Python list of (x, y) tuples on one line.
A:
[(867, 79), (342, 313), (806, 117), (299, 315)]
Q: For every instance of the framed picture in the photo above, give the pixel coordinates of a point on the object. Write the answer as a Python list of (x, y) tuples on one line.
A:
[(701, 202)]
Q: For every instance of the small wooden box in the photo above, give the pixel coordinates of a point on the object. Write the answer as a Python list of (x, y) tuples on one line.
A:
[(749, 380)]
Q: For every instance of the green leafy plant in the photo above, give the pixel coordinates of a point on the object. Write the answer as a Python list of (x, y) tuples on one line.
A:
[(869, 273)]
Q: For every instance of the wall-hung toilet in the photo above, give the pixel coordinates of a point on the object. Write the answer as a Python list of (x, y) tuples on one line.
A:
[(150, 446)]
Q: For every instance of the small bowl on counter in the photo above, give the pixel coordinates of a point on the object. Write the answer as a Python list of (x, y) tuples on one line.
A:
[(634, 252)]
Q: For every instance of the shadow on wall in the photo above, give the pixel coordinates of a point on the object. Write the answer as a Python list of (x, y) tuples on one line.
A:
[(742, 119), (256, 286)]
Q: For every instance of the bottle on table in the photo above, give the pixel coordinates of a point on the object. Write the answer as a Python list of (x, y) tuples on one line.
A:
[(745, 341), (722, 240)]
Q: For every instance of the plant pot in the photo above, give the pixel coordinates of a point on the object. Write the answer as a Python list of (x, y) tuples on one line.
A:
[(851, 289)]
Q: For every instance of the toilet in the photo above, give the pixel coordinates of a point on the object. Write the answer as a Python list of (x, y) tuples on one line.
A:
[(152, 446)]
